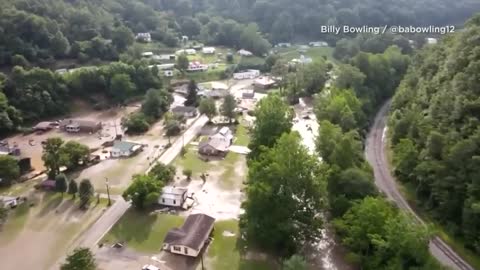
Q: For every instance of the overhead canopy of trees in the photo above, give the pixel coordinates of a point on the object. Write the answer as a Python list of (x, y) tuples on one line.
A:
[(144, 190), (286, 192), (435, 132), (81, 258)]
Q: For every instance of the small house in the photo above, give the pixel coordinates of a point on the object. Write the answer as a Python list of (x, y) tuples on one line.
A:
[(218, 144), (208, 50), (283, 45), (44, 126), (246, 74), (190, 239), (165, 66), (145, 37), (185, 111), (196, 66), (243, 52), (173, 196), (263, 83), (147, 54), (431, 41), (124, 149), (318, 44)]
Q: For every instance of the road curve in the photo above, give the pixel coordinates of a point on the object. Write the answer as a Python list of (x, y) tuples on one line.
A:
[(375, 153)]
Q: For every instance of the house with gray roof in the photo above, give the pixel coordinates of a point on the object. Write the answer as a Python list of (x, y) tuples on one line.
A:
[(190, 239), (124, 149)]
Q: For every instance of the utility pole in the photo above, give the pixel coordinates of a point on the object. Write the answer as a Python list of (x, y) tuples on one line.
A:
[(108, 192)]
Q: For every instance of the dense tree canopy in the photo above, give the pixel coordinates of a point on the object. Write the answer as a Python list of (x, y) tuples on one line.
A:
[(435, 132)]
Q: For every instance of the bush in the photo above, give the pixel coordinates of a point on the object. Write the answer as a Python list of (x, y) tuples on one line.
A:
[(188, 174)]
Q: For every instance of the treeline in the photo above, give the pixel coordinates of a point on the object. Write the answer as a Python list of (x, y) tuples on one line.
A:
[(30, 95), (284, 20), (435, 133)]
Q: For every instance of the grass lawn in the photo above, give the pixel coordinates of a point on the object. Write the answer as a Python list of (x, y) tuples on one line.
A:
[(191, 161), (16, 221), (225, 251), (228, 177), (141, 231), (242, 137)]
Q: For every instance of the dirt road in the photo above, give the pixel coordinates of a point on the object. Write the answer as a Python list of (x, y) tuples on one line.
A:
[(375, 152)]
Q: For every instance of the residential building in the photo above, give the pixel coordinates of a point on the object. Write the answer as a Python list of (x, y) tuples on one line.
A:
[(283, 45), (302, 60), (243, 52), (189, 239), (165, 66), (44, 126), (173, 196), (431, 41), (196, 66), (124, 149), (263, 83), (166, 57), (145, 37), (185, 111), (318, 44), (186, 51), (147, 54), (246, 74), (78, 125), (218, 144), (208, 50)]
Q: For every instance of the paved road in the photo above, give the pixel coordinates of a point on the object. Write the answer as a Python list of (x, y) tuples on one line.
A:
[(375, 152), (101, 227)]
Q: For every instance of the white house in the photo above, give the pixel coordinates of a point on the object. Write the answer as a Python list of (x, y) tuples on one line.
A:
[(243, 52), (173, 196), (190, 239), (432, 41), (208, 50), (147, 54), (165, 66), (196, 66), (283, 45), (166, 57), (145, 37), (186, 51), (124, 149), (246, 74), (318, 44)]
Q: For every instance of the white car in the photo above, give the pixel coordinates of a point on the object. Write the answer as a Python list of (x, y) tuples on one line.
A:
[(150, 267)]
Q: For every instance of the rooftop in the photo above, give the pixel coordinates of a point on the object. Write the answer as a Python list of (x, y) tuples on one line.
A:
[(193, 233), (183, 109), (124, 145)]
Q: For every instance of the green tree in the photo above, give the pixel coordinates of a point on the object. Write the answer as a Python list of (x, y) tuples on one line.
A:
[(74, 153), (144, 191), (136, 123), (20, 60), (85, 192), (285, 175), (60, 45), (52, 156), (314, 77), (182, 62), (61, 183), (295, 262), (192, 97), (9, 170), (228, 107), (72, 188), (122, 37), (405, 158), (188, 174), (80, 259), (274, 118), (162, 172), (156, 103), (349, 77), (207, 106), (121, 86)]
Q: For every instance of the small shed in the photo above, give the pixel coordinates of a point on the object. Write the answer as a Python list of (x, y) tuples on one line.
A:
[(173, 196)]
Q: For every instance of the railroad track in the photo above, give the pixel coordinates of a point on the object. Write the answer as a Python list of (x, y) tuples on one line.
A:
[(375, 152)]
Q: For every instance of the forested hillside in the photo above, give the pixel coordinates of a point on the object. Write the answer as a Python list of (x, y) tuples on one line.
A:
[(435, 132), (45, 30)]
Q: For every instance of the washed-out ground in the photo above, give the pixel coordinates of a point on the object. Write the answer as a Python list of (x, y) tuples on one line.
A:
[(35, 236)]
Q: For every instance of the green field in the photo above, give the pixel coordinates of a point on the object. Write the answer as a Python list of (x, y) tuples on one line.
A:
[(225, 252), (142, 231)]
